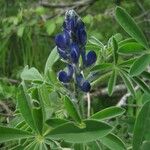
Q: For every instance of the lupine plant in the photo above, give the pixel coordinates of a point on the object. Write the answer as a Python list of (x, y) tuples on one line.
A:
[(54, 107)]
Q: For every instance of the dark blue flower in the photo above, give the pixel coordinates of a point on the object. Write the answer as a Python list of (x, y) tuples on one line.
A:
[(65, 77), (71, 45), (84, 85), (89, 58), (62, 40), (70, 21), (62, 53), (81, 36), (75, 53)]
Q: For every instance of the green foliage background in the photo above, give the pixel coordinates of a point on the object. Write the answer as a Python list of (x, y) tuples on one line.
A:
[(27, 31)]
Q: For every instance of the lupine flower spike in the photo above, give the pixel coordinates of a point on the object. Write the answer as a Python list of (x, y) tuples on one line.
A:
[(70, 46)]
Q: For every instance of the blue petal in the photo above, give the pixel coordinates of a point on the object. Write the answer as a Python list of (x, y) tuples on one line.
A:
[(75, 53), (70, 20), (62, 76), (62, 53), (62, 40), (81, 36), (70, 71), (79, 79), (65, 77), (89, 59), (86, 86)]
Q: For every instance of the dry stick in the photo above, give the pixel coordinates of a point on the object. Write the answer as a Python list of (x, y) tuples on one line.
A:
[(88, 104), (122, 101), (65, 5)]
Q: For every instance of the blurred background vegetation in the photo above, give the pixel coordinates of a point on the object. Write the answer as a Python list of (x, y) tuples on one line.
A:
[(28, 28)]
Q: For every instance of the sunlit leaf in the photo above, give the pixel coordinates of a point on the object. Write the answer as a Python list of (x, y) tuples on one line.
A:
[(31, 74)]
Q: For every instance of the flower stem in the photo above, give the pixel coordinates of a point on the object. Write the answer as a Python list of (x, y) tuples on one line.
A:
[(88, 105)]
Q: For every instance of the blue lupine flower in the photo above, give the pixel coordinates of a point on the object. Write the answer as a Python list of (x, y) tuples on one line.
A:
[(84, 85), (75, 53), (89, 58), (70, 46), (65, 77)]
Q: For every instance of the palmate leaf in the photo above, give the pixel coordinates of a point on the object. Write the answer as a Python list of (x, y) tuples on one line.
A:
[(113, 142), (141, 128), (140, 65), (9, 134), (91, 130), (108, 113), (129, 25), (71, 109)]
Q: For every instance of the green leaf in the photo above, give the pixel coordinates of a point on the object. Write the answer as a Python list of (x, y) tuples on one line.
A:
[(95, 145), (71, 109), (146, 75), (127, 82), (108, 113), (25, 107), (112, 82), (31, 74), (131, 48), (129, 25), (113, 142), (52, 58), (9, 134), (20, 30), (38, 118), (128, 40), (95, 41), (69, 132), (103, 66), (127, 62), (141, 128), (145, 145), (50, 27), (140, 65), (142, 84), (55, 122), (115, 50)]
